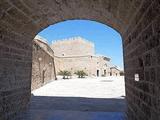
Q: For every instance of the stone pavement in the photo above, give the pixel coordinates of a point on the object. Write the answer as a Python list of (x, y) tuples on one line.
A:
[(73, 108), (73, 115)]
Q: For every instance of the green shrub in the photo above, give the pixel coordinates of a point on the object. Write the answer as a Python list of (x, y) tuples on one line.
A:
[(65, 74), (80, 73)]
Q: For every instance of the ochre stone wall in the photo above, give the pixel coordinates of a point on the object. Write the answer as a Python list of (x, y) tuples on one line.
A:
[(114, 71), (136, 20), (89, 64), (75, 54), (42, 65), (73, 47), (74, 64), (103, 65)]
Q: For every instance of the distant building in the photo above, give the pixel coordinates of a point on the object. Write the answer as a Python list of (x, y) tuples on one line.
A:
[(114, 71), (71, 54), (102, 66), (79, 54)]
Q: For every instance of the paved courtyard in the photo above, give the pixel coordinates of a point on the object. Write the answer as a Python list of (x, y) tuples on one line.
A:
[(78, 99)]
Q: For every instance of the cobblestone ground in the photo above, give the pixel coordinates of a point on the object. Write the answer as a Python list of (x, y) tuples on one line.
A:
[(78, 99)]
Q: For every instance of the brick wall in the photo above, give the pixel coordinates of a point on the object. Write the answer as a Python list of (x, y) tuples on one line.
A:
[(15, 73), (141, 48)]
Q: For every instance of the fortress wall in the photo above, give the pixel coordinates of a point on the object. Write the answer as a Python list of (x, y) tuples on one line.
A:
[(72, 47)]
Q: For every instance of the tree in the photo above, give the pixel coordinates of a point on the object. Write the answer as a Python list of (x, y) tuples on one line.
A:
[(65, 74), (80, 73)]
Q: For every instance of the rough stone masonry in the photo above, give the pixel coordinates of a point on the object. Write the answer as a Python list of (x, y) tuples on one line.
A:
[(136, 20), (77, 53), (43, 65)]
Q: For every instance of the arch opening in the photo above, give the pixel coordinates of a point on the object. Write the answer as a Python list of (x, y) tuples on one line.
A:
[(66, 32), (77, 46)]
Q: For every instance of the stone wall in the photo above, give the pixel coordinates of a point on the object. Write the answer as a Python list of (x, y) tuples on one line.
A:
[(43, 68), (142, 51), (89, 64), (114, 71), (103, 65), (15, 73), (74, 64), (72, 47), (75, 54)]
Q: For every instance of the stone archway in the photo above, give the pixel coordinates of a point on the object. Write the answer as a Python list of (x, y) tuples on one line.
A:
[(137, 21)]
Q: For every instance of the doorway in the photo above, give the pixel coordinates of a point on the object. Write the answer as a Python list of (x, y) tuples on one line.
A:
[(97, 73)]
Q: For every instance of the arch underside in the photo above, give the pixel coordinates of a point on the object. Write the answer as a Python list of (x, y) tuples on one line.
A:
[(136, 20), (38, 14)]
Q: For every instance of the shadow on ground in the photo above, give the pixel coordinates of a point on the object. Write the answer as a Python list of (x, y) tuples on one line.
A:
[(77, 104), (74, 108)]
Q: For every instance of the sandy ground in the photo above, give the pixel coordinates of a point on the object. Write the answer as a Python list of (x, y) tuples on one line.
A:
[(101, 87), (78, 99)]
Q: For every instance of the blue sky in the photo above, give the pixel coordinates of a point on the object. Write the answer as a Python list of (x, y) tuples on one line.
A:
[(107, 41)]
